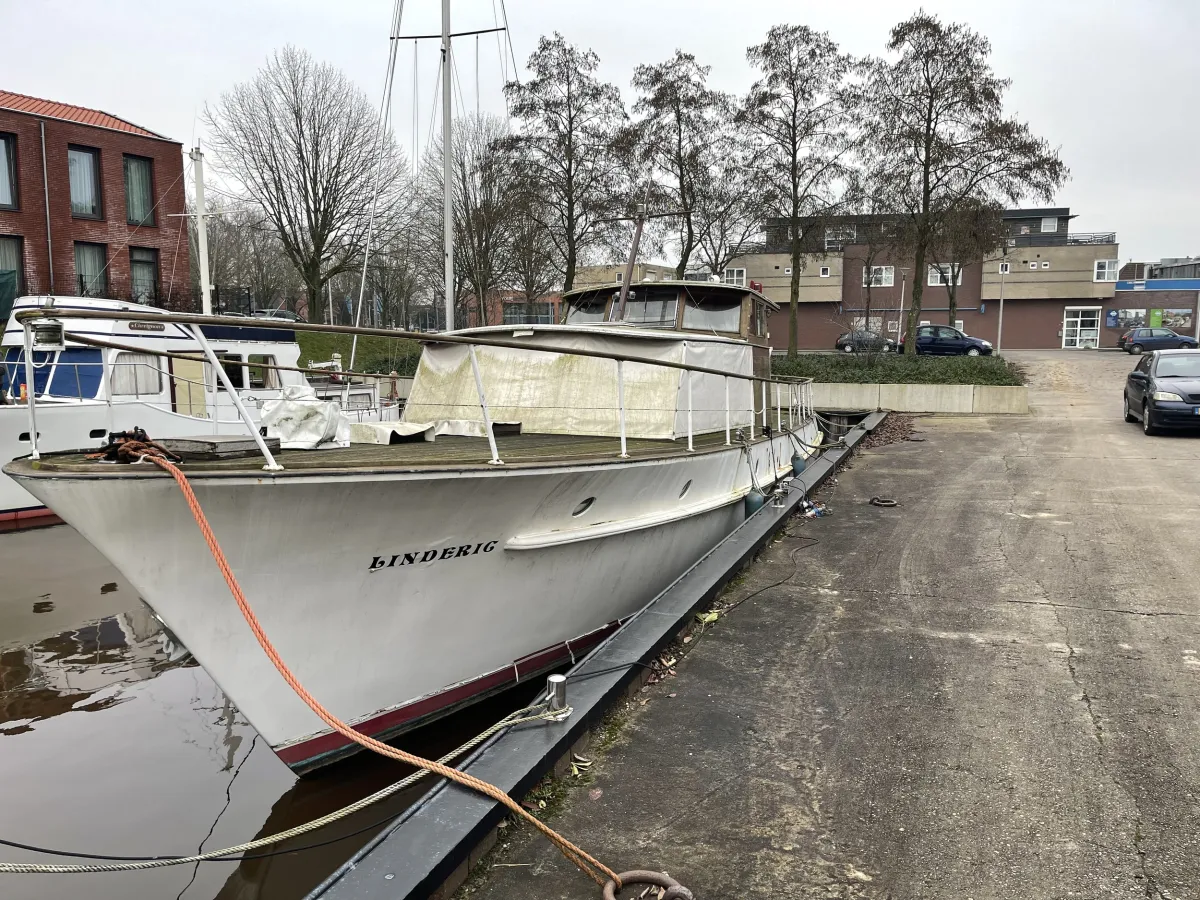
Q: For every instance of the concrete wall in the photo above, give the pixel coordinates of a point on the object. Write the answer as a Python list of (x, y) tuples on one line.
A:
[(923, 398)]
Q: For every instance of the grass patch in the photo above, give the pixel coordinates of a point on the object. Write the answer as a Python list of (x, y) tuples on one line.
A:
[(375, 354), (892, 368)]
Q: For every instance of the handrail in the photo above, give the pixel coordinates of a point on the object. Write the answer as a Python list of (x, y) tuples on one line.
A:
[(420, 337)]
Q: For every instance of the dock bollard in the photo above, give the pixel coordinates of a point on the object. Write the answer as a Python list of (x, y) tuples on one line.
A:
[(556, 693)]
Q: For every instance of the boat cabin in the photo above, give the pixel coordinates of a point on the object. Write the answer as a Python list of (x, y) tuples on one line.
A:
[(704, 307)]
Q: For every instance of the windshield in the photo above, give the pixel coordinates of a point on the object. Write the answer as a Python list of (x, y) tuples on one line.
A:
[(1184, 366), (586, 309)]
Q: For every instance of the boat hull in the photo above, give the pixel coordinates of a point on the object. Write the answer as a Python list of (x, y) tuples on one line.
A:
[(397, 596)]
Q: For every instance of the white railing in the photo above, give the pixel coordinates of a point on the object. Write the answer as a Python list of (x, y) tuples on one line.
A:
[(798, 391)]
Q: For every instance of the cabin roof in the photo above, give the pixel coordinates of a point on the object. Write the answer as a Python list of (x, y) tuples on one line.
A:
[(707, 286), (606, 329)]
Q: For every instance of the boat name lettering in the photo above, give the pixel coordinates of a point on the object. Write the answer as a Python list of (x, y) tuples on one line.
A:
[(147, 326), (428, 556)]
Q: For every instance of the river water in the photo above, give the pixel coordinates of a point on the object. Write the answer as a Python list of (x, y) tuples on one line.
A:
[(110, 745)]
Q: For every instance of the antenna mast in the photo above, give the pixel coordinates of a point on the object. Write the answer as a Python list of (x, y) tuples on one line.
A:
[(447, 168)]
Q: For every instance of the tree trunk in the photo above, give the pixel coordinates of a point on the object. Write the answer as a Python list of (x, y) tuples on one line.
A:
[(914, 311), (952, 293), (794, 298)]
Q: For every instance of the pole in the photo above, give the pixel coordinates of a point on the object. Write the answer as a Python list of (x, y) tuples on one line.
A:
[(633, 251), (1000, 323), (202, 233), (900, 317), (46, 194), (621, 405), (447, 195)]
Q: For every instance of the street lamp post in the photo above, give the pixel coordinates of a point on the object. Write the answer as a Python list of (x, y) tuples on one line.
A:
[(1000, 323)]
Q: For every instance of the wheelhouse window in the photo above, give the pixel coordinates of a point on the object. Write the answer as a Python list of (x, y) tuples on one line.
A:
[(735, 276), (8, 171), (143, 274), (586, 310), (91, 275), (83, 170), (652, 309), (139, 190), (232, 364), (261, 375), (879, 276), (713, 314), (136, 374), (939, 276), (1106, 270), (528, 314), (13, 374), (76, 373)]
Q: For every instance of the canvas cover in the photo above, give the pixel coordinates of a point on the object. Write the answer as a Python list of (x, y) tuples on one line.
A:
[(559, 393), (302, 422)]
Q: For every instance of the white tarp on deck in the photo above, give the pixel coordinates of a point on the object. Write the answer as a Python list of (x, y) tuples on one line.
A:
[(558, 393)]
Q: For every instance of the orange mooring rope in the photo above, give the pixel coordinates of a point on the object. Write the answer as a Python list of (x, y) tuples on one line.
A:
[(588, 864)]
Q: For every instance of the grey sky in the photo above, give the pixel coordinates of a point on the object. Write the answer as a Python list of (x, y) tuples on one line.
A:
[(1112, 83)]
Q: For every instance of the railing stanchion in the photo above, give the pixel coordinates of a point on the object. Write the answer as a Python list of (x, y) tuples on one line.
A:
[(271, 465), (751, 409), (727, 441), (30, 402), (778, 409), (621, 404), (764, 403), (688, 375), (487, 416)]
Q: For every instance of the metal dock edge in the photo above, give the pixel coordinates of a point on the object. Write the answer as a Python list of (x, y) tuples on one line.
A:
[(434, 843)]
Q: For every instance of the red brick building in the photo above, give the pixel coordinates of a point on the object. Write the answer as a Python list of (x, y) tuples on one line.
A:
[(90, 204)]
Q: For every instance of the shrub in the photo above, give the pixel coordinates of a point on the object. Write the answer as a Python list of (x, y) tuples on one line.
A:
[(890, 368)]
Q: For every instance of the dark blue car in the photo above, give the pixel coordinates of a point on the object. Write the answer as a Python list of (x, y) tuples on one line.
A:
[(942, 340), (1163, 391), (1142, 340)]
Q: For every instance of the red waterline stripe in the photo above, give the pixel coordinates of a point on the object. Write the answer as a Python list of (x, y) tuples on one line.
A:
[(303, 755)]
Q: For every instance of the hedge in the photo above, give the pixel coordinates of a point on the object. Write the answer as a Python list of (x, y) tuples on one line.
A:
[(890, 368)]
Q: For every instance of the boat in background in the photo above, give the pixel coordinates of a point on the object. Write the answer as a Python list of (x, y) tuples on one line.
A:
[(545, 483)]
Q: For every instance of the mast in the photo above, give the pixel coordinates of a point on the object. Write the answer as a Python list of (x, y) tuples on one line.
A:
[(447, 168), (202, 232)]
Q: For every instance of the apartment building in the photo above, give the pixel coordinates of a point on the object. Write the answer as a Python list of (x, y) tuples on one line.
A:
[(1056, 284), (592, 276), (90, 204)]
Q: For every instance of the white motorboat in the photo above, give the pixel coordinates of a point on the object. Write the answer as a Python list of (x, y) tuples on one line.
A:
[(551, 481), (84, 393)]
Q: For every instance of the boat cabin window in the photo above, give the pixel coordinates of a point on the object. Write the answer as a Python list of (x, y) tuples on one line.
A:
[(232, 364), (713, 314), (136, 374), (760, 319), (652, 309), (76, 374), (586, 310), (260, 375)]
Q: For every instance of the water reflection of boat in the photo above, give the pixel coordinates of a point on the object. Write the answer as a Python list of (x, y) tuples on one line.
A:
[(70, 671)]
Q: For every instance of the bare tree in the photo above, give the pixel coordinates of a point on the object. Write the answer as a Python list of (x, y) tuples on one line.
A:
[(534, 267), (570, 141), (681, 116), (306, 145), (246, 257), (938, 137), (798, 117), (969, 233), (731, 208)]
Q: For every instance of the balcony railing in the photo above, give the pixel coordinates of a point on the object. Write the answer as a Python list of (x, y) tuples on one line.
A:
[(1058, 239)]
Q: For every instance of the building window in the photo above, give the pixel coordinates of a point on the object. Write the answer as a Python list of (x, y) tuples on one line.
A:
[(528, 314), (824, 271), (1049, 225), (838, 236), (735, 276), (10, 261), (940, 277), (143, 274), (91, 276), (960, 325), (83, 167), (8, 171), (1033, 265), (620, 277), (1106, 270), (135, 374), (880, 276), (139, 191), (1005, 268), (1045, 263)]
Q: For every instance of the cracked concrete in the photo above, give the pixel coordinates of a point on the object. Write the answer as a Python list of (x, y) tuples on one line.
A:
[(991, 691)]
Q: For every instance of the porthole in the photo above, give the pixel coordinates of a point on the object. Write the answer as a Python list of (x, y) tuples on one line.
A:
[(687, 487), (97, 433), (584, 506)]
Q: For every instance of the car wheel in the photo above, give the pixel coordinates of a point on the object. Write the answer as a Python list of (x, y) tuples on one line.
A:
[(887, 348), (1129, 416), (849, 348), (974, 351), (1137, 349), (1147, 426)]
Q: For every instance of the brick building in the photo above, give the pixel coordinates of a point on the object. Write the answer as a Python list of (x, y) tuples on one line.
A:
[(90, 204), (1057, 285)]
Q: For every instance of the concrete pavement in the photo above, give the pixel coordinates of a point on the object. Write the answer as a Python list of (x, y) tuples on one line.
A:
[(990, 691)]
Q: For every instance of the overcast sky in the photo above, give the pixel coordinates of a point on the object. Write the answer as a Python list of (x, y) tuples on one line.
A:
[(1113, 84)]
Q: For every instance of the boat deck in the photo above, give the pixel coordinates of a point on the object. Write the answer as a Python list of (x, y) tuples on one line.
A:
[(445, 452)]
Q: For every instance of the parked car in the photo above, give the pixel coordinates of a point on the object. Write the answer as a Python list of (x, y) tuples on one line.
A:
[(1139, 340), (862, 341), (278, 314), (1163, 390), (942, 340)]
